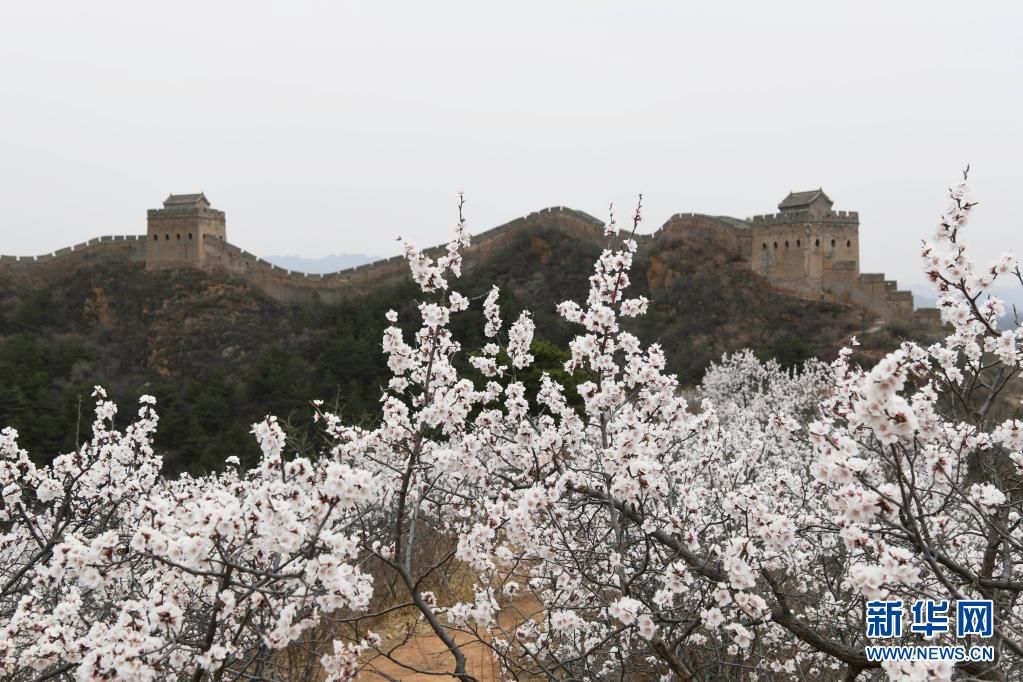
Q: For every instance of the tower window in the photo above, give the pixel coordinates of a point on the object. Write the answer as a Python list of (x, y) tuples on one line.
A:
[(189, 235), (786, 243), (179, 236), (776, 245), (832, 243), (167, 237), (765, 246), (156, 237), (848, 244), (816, 242), (798, 244)]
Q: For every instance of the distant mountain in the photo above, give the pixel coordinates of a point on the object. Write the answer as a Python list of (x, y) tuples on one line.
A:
[(925, 296), (322, 265)]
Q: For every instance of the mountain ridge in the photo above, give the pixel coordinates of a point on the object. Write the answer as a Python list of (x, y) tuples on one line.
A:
[(219, 353)]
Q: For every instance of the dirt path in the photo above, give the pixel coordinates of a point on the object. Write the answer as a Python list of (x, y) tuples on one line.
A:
[(426, 652), (877, 326)]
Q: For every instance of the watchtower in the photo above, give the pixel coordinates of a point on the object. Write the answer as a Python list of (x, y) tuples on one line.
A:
[(175, 233), (806, 247)]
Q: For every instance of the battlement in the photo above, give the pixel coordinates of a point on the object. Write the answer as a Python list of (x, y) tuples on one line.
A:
[(175, 211), (805, 250), (291, 286), (838, 217), (725, 221), (69, 250), (129, 247)]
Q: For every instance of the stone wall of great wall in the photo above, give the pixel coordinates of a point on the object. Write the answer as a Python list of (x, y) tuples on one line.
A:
[(815, 259), (111, 248), (811, 259), (723, 234), (297, 287)]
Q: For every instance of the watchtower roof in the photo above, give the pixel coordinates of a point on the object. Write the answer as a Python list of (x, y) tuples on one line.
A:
[(186, 201), (796, 201)]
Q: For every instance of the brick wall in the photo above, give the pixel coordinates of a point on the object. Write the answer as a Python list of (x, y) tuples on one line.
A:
[(175, 236), (112, 248), (810, 257), (295, 287)]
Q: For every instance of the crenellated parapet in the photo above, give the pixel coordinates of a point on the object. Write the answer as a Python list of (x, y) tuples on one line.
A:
[(295, 287), (120, 245), (806, 250), (789, 217), (175, 212), (730, 237), (882, 296)]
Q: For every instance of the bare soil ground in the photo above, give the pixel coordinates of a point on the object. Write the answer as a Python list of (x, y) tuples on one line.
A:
[(427, 653)]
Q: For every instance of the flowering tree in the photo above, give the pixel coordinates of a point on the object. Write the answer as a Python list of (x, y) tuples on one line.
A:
[(110, 572), (922, 454), (638, 535), (735, 535)]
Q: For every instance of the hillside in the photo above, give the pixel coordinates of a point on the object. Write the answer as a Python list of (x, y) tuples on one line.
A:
[(218, 354)]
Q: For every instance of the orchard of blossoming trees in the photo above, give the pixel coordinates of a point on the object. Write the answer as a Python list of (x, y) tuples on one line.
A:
[(642, 536)]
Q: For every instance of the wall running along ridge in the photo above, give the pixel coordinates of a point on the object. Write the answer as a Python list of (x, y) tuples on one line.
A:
[(810, 257)]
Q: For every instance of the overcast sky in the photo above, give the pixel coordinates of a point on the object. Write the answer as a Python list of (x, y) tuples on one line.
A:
[(328, 127)]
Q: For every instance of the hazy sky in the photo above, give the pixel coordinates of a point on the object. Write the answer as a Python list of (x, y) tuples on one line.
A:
[(329, 127)]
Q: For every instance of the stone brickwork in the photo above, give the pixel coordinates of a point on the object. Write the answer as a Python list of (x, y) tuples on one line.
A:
[(296, 287), (800, 252), (729, 235), (806, 250), (175, 233), (39, 269)]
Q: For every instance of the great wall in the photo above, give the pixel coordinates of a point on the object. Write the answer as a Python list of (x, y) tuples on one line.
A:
[(805, 250)]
